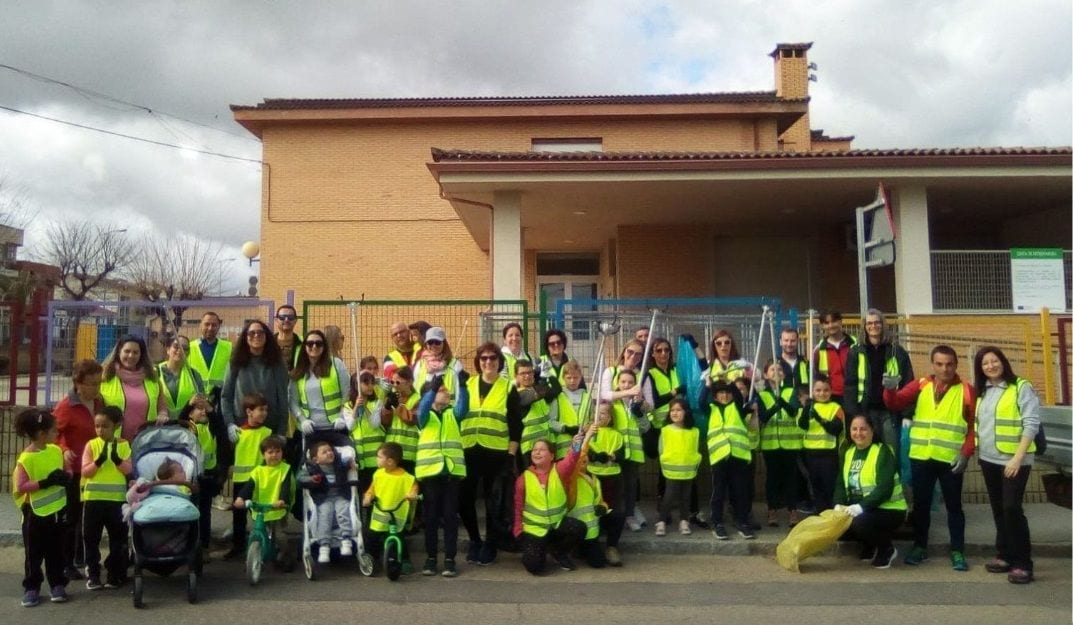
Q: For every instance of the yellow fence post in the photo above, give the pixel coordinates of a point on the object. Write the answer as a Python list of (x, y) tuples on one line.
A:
[(1048, 371)]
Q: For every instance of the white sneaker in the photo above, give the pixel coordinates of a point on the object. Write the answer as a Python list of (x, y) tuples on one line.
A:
[(683, 528), (661, 528), (346, 548), (633, 524), (640, 516), (324, 556)]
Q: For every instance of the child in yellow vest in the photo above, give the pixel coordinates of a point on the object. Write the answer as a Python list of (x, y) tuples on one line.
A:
[(822, 419), (679, 458), (210, 481), (40, 494), (391, 485), (587, 504), (605, 454), (105, 466), (248, 456), (272, 483), (730, 456)]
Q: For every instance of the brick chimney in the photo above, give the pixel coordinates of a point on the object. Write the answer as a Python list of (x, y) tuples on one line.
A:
[(791, 82)]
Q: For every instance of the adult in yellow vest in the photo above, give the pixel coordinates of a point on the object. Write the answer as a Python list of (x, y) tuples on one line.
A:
[(181, 383), (441, 467), (541, 524), (794, 365), (940, 446), (320, 383), (554, 357), (726, 363), (513, 349), (437, 361), (132, 384), (491, 435), (874, 363), (210, 355), (1007, 421), (869, 490), (405, 352)]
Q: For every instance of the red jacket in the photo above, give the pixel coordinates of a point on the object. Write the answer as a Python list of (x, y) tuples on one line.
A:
[(836, 362), (74, 422)]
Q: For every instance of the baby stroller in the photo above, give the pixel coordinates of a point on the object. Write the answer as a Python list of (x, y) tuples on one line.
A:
[(344, 449), (164, 527)]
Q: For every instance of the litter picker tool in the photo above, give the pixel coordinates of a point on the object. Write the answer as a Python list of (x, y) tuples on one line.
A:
[(606, 329), (756, 354), (808, 345)]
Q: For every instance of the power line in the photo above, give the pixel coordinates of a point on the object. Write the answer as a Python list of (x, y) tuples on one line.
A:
[(132, 137), (104, 96)]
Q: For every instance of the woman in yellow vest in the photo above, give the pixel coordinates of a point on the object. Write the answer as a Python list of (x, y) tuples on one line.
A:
[(181, 384), (1007, 421), (441, 467), (541, 524), (513, 348), (132, 384), (437, 361), (726, 363), (41, 496), (320, 383), (869, 490), (105, 466)]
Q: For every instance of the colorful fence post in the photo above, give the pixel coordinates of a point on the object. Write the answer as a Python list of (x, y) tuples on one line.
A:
[(1047, 356)]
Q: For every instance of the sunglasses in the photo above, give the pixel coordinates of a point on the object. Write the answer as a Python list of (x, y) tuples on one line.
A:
[(554, 343), (255, 333), (723, 342), (489, 358), (433, 342), (287, 317), (319, 344), (662, 350)]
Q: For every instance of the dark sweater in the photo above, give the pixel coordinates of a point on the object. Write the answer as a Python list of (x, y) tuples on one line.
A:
[(886, 473)]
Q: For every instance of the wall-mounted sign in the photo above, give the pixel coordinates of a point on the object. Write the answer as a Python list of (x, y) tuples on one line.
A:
[(1037, 279)]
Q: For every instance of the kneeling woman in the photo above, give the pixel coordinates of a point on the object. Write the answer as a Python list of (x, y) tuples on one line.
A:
[(540, 502), (869, 488)]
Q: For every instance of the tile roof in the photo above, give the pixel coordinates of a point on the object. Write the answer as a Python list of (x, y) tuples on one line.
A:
[(441, 155), (672, 98)]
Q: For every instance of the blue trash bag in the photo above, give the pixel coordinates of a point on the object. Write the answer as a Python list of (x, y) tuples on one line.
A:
[(689, 374)]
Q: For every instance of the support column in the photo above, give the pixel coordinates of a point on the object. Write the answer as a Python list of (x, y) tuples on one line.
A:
[(507, 245), (912, 265)]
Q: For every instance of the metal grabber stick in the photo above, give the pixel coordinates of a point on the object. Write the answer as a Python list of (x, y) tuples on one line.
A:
[(354, 346), (808, 346), (648, 348), (774, 354), (756, 354), (605, 329)]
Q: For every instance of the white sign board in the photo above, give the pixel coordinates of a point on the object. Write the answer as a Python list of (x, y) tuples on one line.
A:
[(1037, 279)]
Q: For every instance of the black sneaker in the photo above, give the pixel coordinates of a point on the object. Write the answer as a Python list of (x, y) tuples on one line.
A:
[(94, 582), (430, 567), (884, 559), (487, 555), (746, 532), (720, 532), (72, 573), (565, 563), (473, 554), (449, 568), (868, 553), (694, 519)]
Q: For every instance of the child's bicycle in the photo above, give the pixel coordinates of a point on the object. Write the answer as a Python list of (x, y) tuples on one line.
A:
[(392, 556), (260, 547)]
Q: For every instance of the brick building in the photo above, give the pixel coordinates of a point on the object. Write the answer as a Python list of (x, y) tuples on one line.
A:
[(727, 194)]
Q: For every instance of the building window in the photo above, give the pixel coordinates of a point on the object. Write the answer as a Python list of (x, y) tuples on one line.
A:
[(10, 251), (569, 144)]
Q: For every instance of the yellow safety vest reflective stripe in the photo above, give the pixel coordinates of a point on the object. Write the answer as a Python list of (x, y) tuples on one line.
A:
[(1008, 425), (867, 477), (679, 456), (781, 430), (449, 376), (816, 438), (108, 483), (405, 434), (396, 357), (589, 495), (662, 385), (727, 434), (248, 454), (545, 506), (366, 437), (609, 441), (938, 430), (38, 465), (624, 421), (112, 395), (390, 489), (268, 488), (729, 372), (890, 367), (207, 440), (212, 373), (536, 425), (486, 423), (569, 416), (439, 447), (330, 392), (187, 389)]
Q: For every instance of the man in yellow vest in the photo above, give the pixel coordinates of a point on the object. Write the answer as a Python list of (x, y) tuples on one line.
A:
[(210, 356), (405, 353), (940, 445)]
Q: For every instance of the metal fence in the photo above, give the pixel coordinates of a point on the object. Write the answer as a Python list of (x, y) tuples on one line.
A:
[(957, 278), (90, 329)]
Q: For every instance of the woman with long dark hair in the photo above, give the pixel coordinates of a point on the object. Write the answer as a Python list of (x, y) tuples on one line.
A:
[(726, 363), (554, 356), (131, 383), (256, 367), (1007, 421), (320, 383)]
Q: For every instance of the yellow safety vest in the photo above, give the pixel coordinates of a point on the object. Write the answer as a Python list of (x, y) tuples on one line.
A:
[(108, 483), (390, 489), (938, 430), (38, 465), (440, 446), (867, 477), (589, 495), (112, 395), (510, 362), (330, 393), (890, 367), (536, 425), (207, 440), (679, 455), (212, 373), (816, 438), (781, 430), (545, 507), (727, 434), (556, 370), (449, 376), (486, 423), (609, 441), (405, 434), (569, 417), (1008, 426), (623, 421), (728, 372), (396, 357), (366, 437), (248, 454), (268, 488), (187, 389), (821, 353), (662, 385)]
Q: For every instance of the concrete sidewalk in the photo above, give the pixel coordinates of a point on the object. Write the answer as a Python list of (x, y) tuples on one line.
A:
[(1051, 527)]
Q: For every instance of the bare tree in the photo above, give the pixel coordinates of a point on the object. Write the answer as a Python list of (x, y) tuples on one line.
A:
[(86, 254), (15, 210), (168, 268)]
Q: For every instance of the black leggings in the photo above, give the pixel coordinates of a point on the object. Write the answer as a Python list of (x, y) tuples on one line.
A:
[(98, 516), (492, 471), (559, 541), (441, 507)]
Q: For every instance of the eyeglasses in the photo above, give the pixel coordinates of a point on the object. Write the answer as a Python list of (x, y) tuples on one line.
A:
[(525, 372), (554, 343), (319, 344), (287, 317), (873, 323), (433, 342), (260, 333), (489, 358)]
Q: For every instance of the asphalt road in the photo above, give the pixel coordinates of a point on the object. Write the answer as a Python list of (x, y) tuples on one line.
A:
[(651, 588)]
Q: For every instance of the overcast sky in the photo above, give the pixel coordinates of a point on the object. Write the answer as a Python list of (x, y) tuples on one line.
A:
[(895, 74)]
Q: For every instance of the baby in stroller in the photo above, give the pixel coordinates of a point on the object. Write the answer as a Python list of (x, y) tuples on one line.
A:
[(328, 478)]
